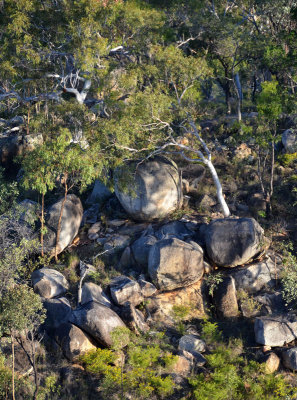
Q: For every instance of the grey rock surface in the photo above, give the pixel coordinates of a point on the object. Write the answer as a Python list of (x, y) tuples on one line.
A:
[(99, 194), (257, 276), (73, 341), (98, 321), (93, 292), (275, 330), (173, 264), (124, 289), (225, 298), (71, 220), (154, 188), (140, 249), (192, 344), (49, 283), (231, 242), (289, 140)]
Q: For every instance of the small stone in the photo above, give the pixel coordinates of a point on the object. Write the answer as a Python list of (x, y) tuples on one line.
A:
[(93, 236), (272, 363), (95, 228), (265, 349), (147, 288), (182, 366), (192, 344)]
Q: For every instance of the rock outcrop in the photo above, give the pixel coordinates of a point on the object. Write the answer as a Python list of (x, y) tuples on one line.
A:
[(71, 220), (231, 242), (98, 321), (275, 330), (154, 188), (289, 140), (49, 283), (173, 264)]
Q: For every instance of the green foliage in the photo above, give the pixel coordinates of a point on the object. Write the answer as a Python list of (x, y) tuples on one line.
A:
[(230, 376), (20, 310), (269, 101), (289, 275), (180, 313), (15, 248), (248, 302), (9, 193), (139, 373), (212, 281)]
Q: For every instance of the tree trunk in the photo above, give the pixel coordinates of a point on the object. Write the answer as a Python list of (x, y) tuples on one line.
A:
[(12, 350), (60, 219), (42, 224), (217, 182), (34, 368)]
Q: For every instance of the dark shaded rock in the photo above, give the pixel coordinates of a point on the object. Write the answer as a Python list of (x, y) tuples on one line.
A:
[(98, 321), (175, 229), (58, 311), (225, 298), (140, 249), (99, 194), (231, 242), (289, 358), (73, 341), (134, 319)]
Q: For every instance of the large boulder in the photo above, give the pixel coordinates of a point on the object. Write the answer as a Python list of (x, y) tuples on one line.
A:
[(58, 312), (231, 242), (73, 341), (257, 276), (289, 140), (71, 220), (49, 283), (275, 330), (173, 264), (98, 321), (92, 292), (124, 289), (153, 189), (99, 194), (141, 248)]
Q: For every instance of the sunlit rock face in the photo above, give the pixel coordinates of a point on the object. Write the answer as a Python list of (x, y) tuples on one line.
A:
[(149, 190), (71, 219)]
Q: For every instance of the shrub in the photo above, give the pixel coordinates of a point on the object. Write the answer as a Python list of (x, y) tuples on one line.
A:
[(231, 376), (139, 374)]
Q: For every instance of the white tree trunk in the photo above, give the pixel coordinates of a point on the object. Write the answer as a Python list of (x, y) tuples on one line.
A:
[(217, 182)]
